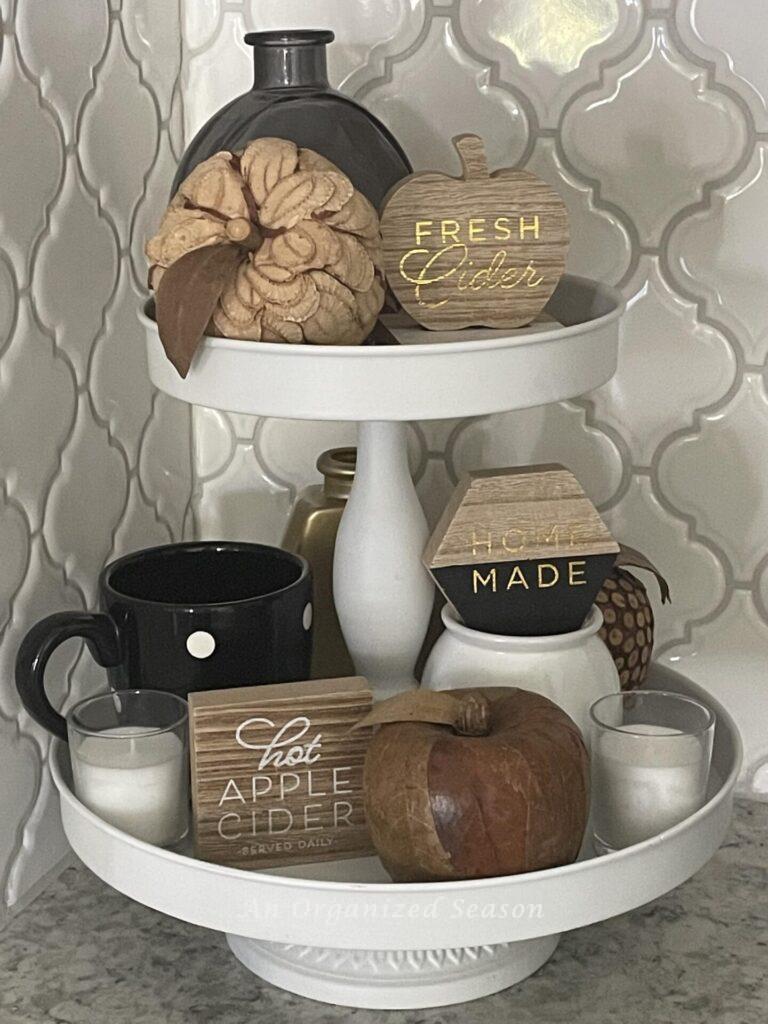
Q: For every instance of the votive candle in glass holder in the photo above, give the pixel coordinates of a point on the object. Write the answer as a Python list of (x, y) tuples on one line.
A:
[(130, 762), (650, 755)]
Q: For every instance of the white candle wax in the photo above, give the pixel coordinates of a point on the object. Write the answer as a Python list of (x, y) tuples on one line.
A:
[(643, 786), (135, 779)]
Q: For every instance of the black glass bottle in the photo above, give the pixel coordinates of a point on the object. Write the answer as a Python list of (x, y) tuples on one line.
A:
[(292, 99)]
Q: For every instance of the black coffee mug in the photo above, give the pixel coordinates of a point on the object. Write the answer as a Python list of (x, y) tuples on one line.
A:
[(184, 617)]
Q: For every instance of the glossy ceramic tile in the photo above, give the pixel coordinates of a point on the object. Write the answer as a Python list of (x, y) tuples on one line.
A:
[(152, 204), (151, 33), (727, 656), (118, 369), (165, 461), (550, 49), (79, 246), (90, 464), (714, 476), (289, 449), (720, 32), (367, 31), (32, 167), (140, 526), (37, 410), (600, 246), (201, 23), (242, 503), (217, 71), (84, 506), (49, 34), (15, 545), (441, 76), (652, 133), (22, 770), (434, 487), (117, 152), (44, 590), (661, 329), (695, 574), (551, 433), (718, 256), (42, 840), (215, 442), (761, 590)]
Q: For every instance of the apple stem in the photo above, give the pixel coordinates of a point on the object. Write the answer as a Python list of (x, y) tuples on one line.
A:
[(471, 150), (474, 716)]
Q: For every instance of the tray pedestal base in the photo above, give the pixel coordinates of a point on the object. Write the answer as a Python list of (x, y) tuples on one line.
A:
[(393, 979)]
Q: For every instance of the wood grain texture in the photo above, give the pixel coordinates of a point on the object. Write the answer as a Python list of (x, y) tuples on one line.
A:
[(277, 773), (480, 250), (521, 552), (525, 512)]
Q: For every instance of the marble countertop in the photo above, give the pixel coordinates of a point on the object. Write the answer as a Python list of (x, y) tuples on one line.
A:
[(83, 954)]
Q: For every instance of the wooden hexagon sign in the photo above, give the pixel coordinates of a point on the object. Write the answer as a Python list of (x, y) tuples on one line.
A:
[(479, 250), (521, 552)]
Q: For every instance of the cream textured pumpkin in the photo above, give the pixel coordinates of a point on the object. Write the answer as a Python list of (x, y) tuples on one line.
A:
[(311, 267)]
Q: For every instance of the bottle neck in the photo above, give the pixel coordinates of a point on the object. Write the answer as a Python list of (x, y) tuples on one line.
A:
[(338, 469), (291, 61)]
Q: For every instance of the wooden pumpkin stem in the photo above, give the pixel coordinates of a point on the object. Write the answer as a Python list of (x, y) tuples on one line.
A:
[(471, 150), (244, 232), (474, 716), (466, 713)]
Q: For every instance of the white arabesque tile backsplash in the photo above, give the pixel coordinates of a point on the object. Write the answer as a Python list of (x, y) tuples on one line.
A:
[(651, 120), (92, 462)]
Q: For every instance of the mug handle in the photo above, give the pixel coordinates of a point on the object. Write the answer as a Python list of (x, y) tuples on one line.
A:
[(99, 632)]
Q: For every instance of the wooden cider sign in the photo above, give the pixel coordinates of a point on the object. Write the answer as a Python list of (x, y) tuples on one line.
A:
[(479, 250), (521, 551), (277, 776)]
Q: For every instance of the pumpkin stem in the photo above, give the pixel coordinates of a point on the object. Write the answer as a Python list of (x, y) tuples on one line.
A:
[(468, 714), (243, 232), (474, 716), (471, 150)]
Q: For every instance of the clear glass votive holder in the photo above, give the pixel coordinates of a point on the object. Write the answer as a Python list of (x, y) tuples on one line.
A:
[(650, 755), (130, 762)]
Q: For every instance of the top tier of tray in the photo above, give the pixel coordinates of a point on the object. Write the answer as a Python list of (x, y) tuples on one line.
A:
[(429, 375)]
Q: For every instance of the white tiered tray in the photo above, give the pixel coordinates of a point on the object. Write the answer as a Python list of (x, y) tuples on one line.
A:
[(384, 614), (342, 933), (465, 373)]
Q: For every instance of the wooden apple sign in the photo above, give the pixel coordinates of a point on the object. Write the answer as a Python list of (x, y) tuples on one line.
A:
[(521, 552), (480, 250)]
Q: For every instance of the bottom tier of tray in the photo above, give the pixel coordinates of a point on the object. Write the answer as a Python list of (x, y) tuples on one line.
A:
[(341, 933)]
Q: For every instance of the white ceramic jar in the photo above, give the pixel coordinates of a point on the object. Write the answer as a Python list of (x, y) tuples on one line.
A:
[(572, 669)]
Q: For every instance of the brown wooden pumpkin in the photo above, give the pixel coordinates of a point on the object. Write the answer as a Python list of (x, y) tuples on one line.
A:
[(474, 783)]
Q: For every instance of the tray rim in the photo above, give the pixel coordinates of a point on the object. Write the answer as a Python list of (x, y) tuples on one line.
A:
[(464, 886), (497, 339)]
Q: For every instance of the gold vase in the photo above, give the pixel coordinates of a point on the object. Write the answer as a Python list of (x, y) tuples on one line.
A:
[(311, 532)]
